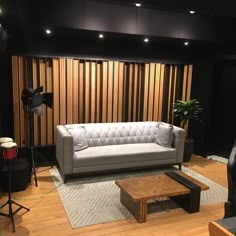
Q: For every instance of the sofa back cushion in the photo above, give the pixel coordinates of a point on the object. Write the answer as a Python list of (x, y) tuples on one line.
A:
[(80, 141), (164, 136), (101, 134)]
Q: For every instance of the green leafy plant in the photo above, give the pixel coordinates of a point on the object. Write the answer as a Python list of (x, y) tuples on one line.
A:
[(186, 111)]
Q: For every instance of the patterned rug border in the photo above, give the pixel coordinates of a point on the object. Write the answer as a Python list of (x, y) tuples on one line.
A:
[(95, 200), (218, 159)]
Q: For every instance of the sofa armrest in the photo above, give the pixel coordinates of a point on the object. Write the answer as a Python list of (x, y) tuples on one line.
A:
[(64, 150), (178, 143)]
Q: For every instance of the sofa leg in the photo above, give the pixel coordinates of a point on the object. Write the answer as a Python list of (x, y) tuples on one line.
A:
[(180, 166)]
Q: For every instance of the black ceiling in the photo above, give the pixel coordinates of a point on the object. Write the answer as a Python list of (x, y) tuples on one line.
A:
[(167, 22), (226, 8)]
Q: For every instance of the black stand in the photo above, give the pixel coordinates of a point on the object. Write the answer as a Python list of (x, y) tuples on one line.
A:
[(10, 202)]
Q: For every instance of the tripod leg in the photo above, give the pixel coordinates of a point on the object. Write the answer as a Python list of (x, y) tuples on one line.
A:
[(20, 205), (11, 215), (33, 167)]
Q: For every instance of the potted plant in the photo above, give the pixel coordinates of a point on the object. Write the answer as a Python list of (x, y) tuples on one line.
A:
[(185, 111)]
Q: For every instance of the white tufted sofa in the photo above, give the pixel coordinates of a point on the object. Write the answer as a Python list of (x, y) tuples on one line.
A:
[(115, 146)]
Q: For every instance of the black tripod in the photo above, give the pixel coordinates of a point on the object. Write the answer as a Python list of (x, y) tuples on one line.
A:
[(10, 202)]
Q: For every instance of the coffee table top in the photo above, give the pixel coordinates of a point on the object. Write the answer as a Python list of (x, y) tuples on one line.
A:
[(156, 186)]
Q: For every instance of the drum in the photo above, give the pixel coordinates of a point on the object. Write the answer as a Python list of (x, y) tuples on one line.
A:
[(5, 140), (9, 150)]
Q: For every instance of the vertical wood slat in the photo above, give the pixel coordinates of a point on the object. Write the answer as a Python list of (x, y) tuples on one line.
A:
[(151, 91), (169, 94), (81, 93), (35, 85), (56, 92), (135, 92), (139, 92), (21, 86), (110, 91), (184, 93), (98, 89), (43, 124), (145, 98), (76, 94), (115, 91), (93, 92), (104, 91), (16, 105), (49, 117), (190, 72), (69, 91), (157, 91), (87, 92), (125, 91), (174, 90), (130, 93), (62, 91), (161, 92), (121, 91)]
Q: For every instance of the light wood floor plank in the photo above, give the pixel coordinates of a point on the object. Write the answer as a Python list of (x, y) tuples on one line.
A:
[(47, 215)]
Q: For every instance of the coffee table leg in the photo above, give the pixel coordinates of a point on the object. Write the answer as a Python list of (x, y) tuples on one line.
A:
[(137, 209), (189, 202)]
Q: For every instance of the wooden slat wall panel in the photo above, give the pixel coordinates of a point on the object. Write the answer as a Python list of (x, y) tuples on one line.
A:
[(69, 91), (125, 93), (104, 92), (190, 72), (35, 85), (146, 86), (157, 91), (98, 89), (110, 91), (151, 91), (139, 92), (174, 90), (121, 91), (130, 92), (93, 92), (170, 94), (135, 98), (16, 101), (22, 113), (49, 110), (62, 91), (115, 91), (76, 94), (81, 92), (88, 91), (184, 93), (161, 92), (42, 79), (56, 95)]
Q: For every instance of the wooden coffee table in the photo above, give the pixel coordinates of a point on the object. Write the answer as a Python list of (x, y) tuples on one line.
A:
[(135, 192)]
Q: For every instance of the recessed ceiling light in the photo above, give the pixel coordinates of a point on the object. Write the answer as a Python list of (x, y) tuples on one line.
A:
[(101, 36), (192, 12), (0, 11), (186, 43), (137, 4), (48, 31), (146, 40)]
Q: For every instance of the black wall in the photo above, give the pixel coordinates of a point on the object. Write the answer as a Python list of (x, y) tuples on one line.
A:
[(75, 28)]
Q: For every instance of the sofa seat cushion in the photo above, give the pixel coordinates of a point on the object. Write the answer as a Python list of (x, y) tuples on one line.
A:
[(124, 153)]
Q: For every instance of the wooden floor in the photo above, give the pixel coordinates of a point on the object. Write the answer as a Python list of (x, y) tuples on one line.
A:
[(47, 216)]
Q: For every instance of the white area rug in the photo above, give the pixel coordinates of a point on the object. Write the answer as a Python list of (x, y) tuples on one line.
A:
[(96, 200)]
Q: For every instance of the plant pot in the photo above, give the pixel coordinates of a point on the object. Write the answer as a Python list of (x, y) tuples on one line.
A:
[(188, 149)]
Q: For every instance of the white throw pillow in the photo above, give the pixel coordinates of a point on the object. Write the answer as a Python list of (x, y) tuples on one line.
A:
[(164, 135), (79, 138)]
